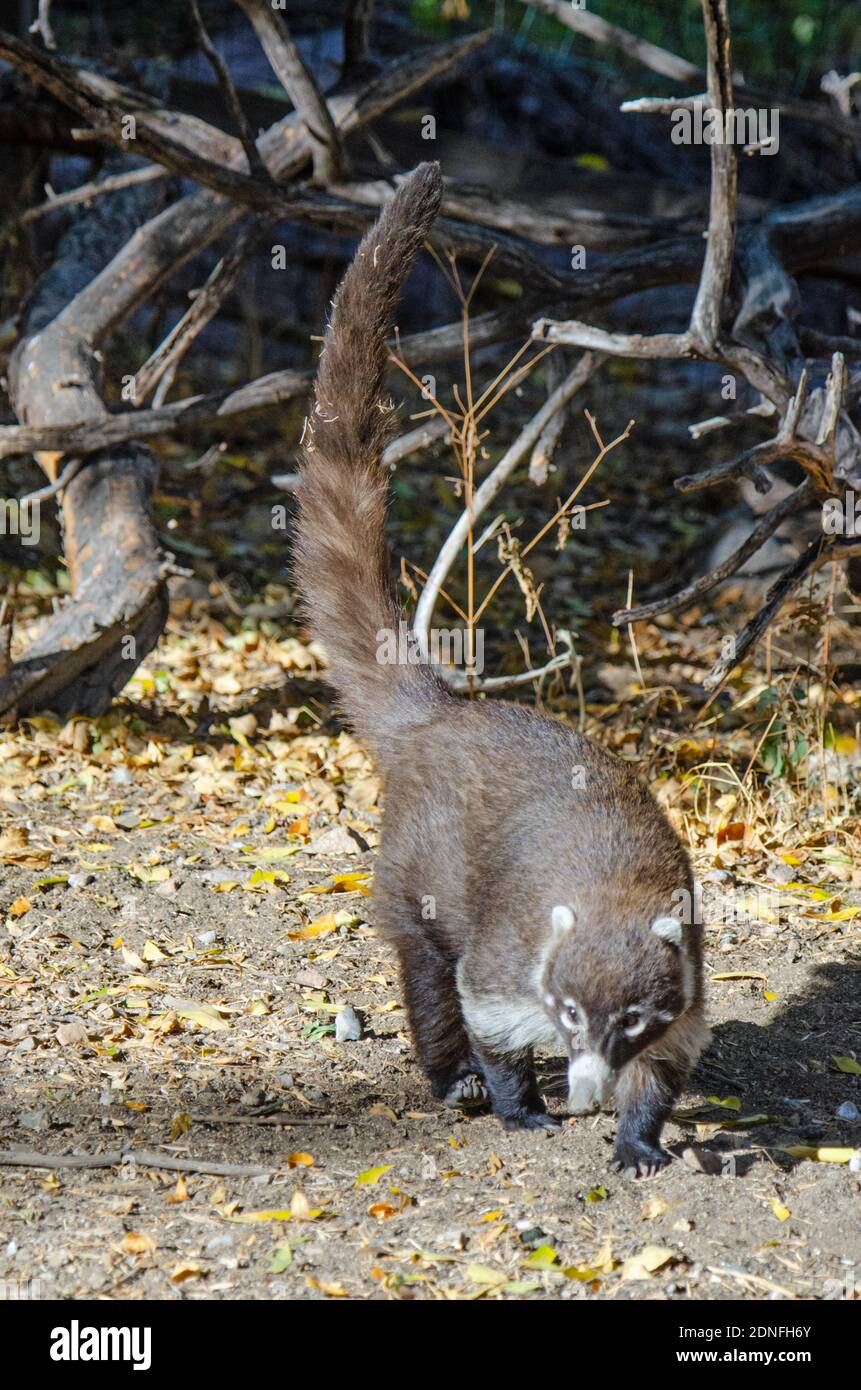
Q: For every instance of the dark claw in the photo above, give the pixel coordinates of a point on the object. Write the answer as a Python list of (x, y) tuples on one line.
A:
[(530, 1119), (638, 1159)]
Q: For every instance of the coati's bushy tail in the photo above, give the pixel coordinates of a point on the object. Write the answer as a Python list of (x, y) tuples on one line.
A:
[(341, 558)]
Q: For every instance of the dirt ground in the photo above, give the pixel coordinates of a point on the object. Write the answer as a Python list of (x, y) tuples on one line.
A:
[(177, 942)]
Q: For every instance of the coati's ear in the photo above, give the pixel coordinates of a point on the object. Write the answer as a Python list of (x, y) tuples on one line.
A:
[(668, 929), (561, 919)]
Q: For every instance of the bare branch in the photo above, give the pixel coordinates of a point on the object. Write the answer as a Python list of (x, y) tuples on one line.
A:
[(717, 266), (200, 312), (298, 82), (357, 25), (676, 603), (582, 21), (817, 554), (435, 427), (256, 164)]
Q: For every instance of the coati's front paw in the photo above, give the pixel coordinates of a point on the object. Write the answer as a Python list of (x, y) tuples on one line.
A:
[(529, 1119), (640, 1159), (467, 1093)]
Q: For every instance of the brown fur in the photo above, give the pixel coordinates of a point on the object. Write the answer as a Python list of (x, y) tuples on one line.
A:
[(487, 827)]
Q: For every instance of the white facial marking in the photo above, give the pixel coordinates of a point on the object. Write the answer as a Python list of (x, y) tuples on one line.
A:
[(668, 929), (550, 1001), (562, 918), (567, 1022), (590, 1082), (635, 1029)]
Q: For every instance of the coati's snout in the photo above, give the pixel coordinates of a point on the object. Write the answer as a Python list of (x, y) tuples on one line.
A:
[(608, 1016)]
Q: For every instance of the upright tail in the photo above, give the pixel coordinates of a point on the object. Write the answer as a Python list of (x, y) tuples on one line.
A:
[(341, 558)]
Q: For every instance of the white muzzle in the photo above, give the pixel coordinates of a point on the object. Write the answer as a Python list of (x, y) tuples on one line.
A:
[(590, 1083)]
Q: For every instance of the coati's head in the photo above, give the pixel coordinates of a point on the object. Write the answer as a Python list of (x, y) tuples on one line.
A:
[(612, 992)]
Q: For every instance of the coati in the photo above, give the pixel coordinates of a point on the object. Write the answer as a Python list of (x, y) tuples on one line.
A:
[(529, 884)]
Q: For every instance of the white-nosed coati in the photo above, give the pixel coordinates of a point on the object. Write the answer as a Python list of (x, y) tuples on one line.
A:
[(528, 883)]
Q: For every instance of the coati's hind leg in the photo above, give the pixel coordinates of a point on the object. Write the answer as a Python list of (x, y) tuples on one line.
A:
[(440, 1037), (647, 1091)]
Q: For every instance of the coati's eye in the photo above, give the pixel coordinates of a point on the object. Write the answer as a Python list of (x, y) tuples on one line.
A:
[(633, 1022)]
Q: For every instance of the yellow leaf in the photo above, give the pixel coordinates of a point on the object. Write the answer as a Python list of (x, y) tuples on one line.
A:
[(301, 1209), (485, 1274), (19, 907), (190, 1269), (158, 873), (770, 995), (656, 1206), (204, 1014), (299, 1160), (372, 1175), (542, 1258), (381, 1211), (330, 1290), (820, 1155), (353, 880), (152, 952), (781, 1212), (179, 1193), (330, 921), (740, 975), (226, 887), (136, 1243), (268, 1214), (844, 915), (650, 1259)]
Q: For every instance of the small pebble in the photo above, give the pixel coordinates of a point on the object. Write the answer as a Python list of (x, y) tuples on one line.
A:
[(702, 1160), (253, 1097), (855, 1162), (534, 1236), (315, 979), (74, 1032), (347, 1025), (217, 1244), (35, 1119), (219, 876), (336, 840), (81, 880), (129, 820), (206, 938), (848, 1111)]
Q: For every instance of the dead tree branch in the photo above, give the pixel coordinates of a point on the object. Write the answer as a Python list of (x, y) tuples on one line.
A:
[(286, 62)]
